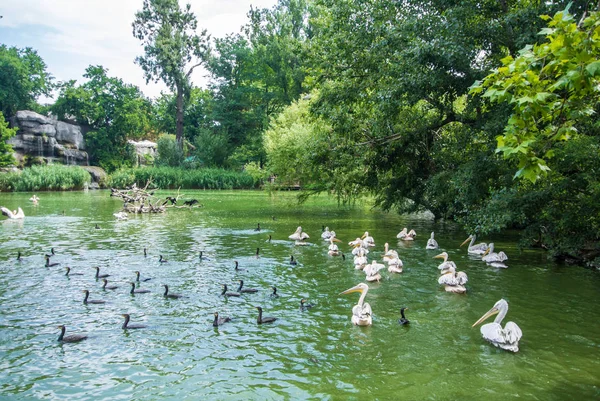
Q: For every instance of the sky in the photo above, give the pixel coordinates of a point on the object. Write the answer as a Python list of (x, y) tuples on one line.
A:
[(70, 35)]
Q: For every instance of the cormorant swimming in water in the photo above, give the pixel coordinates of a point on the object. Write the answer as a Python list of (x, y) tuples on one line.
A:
[(261, 320), (343, 257), (74, 338), (162, 260), (304, 306), (274, 294), (237, 269), (167, 295), (126, 324), (108, 287), (269, 240), (201, 257), (19, 256), (51, 253), (48, 264), (145, 252), (97, 226), (134, 291), (257, 228), (257, 255), (91, 301), (220, 320), (68, 273), (292, 261), (98, 275), (228, 294), (191, 202), (403, 320), (247, 290), (137, 277)]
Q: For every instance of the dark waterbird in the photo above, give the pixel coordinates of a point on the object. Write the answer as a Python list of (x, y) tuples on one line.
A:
[(19, 256), (304, 306), (97, 226), (51, 253), (134, 291), (68, 273), (202, 257), (170, 295), (98, 275), (403, 320), (138, 278), (246, 290), (274, 293), (191, 202), (257, 255), (220, 320), (293, 262), (261, 319), (170, 199), (270, 238), (228, 294), (145, 252), (87, 301), (257, 228), (162, 260), (73, 338), (127, 326), (343, 257), (108, 287), (237, 267), (48, 264)]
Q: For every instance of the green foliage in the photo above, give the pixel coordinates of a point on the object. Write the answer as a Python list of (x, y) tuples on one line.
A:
[(45, 178), (6, 157), (212, 149), (172, 49), (23, 78), (169, 153), (259, 175), (171, 178), (552, 87), (115, 112)]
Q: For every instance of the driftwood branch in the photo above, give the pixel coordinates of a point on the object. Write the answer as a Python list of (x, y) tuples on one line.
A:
[(141, 200)]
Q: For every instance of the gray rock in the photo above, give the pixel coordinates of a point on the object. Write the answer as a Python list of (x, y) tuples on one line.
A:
[(69, 133)]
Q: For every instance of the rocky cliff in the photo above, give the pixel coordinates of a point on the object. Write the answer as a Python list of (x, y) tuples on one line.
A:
[(44, 137)]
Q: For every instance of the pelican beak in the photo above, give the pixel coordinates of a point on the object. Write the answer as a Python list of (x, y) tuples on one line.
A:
[(336, 240), (440, 256), (363, 236), (486, 252), (356, 288), (465, 241), (489, 313)]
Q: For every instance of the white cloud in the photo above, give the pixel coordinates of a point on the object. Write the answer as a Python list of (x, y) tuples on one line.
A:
[(72, 34)]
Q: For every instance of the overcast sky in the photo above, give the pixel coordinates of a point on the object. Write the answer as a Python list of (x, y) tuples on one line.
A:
[(72, 34)]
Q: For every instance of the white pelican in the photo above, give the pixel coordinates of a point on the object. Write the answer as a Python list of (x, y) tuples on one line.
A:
[(453, 281), (506, 338), (395, 265), (367, 239), (495, 259), (447, 263), (359, 251), (478, 249), (15, 214), (432, 243), (298, 235), (34, 199), (326, 234), (389, 253), (360, 262), (372, 271), (361, 312), (410, 236), (120, 215), (402, 233), (333, 248)]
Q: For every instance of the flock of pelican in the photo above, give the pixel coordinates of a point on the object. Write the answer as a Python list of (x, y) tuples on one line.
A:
[(454, 281)]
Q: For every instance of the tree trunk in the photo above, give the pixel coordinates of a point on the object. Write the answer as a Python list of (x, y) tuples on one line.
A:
[(179, 118)]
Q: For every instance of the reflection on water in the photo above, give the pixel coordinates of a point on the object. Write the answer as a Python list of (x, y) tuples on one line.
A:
[(315, 354)]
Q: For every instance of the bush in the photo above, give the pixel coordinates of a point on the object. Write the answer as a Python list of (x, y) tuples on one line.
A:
[(168, 151), (45, 178), (171, 177)]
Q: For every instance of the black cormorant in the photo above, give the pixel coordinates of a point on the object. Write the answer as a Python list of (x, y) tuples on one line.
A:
[(403, 320), (228, 294), (126, 324), (274, 294), (98, 275), (292, 261), (220, 320), (237, 268), (304, 306), (167, 295), (162, 260), (91, 301), (68, 273), (134, 291), (257, 228), (108, 287), (48, 264), (248, 290), (74, 338), (138, 278), (261, 320)]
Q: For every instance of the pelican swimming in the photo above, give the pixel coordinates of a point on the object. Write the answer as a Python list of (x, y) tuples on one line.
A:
[(410, 236), (360, 262), (431, 243), (333, 249), (478, 249), (453, 281), (367, 239), (495, 259), (326, 234), (359, 250), (506, 338), (299, 235), (388, 253), (358, 244), (372, 271), (34, 199), (402, 233), (361, 312), (120, 215), (14, 215), (395, 264), (446, 264)]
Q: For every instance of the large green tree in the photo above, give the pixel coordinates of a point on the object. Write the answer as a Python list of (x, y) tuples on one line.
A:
[(6, 157), (23, 78), (172, 49), (112, 110)]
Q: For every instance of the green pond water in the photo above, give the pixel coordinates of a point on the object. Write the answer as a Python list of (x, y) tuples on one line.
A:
[(316, 354)]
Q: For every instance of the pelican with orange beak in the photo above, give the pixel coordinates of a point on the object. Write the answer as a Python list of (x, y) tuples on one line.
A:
[(361, 312), (506, 338)]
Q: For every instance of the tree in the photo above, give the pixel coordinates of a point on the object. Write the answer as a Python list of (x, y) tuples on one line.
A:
[(553, 87), (6, 157), (23, 78), (112, 110), (172, 49)]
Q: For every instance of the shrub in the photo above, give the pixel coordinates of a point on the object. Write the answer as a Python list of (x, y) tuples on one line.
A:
[(45, 178), (171, 177)]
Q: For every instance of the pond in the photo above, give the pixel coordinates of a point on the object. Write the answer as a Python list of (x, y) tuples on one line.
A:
[(313, 354)]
